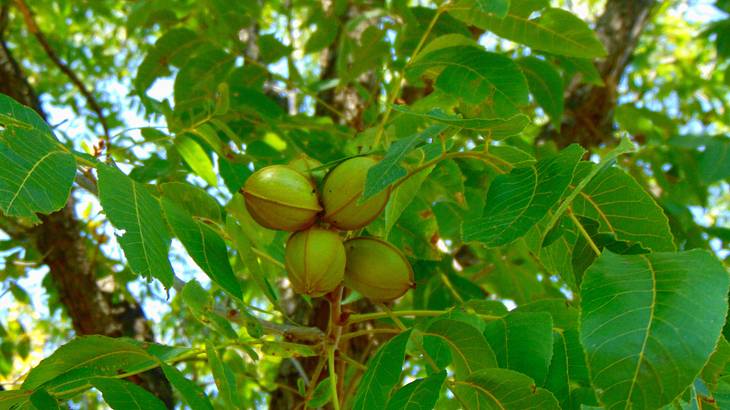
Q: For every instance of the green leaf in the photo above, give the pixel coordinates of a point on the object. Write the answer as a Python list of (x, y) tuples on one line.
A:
[(714, 161), (10, 399), (623, 209), (124, 395), (204, 245), (418, 394), (546, 86), (382, 375), (469, 350), (195, 297), (582, 177), (325, 35), (568, 375), (526, 7), (564, 316), (193, 199), (389, 170), (722, 393), (197, 81), (445, 41), (224, 378), (173, 47), (37, 171), (523, 342), (272, 49), (363, 57), (414, 231), (650, 322), (556, 31), (502, 389), (209, 135), (476, 75), (470, 11), (132, 209), (193, 395), (401, 197), (495, 128), (88, 356), (196, 158), (244, 248), (42, 400), (715, 367), (506, 156), (200, 304), (520, 199), (321, 394), (234, 174)]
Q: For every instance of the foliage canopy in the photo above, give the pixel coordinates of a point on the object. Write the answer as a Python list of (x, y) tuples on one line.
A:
[(553, 269)]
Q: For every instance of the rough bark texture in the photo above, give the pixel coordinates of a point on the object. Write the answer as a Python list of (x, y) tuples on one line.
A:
[(58, 238), (589, 109)]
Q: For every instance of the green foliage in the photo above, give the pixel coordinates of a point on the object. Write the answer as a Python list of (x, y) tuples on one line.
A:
[(605, 250), (193, 395), (418, 394), (121, 394), (518, 200), (37, 171), (131, 208), (643, 343), (204, 245), (502, 389), (523, 342), (383, 374)]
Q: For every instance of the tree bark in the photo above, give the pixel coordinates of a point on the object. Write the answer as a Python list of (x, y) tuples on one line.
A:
[(589, 109), (58, 238)]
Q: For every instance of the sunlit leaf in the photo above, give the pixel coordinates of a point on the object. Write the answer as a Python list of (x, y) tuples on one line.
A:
[(72, 364), (224, 378), (196, 158), (502, 389), (204, 245), (523, 342), (470, 352), (546, 86), (649, 323), (518, 200), (138, 216), (496, 128), (389, 170), (37, 171), (624, 209), (556, 31), (475, 75), (418, 394)]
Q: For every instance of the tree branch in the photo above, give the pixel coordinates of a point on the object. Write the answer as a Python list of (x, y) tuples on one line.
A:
[(51, 53), (589, 109)]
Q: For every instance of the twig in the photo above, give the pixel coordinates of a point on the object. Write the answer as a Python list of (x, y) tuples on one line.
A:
[(347, 359), (393, 317), (51, 53), (364, 332), (333, 376), (381, 315)]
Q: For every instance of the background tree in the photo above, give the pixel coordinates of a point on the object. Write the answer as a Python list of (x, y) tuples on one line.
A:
[(565, 160)]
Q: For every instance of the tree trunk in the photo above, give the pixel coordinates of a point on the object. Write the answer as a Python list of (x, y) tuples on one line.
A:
[(589, 109), (58, 238)]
